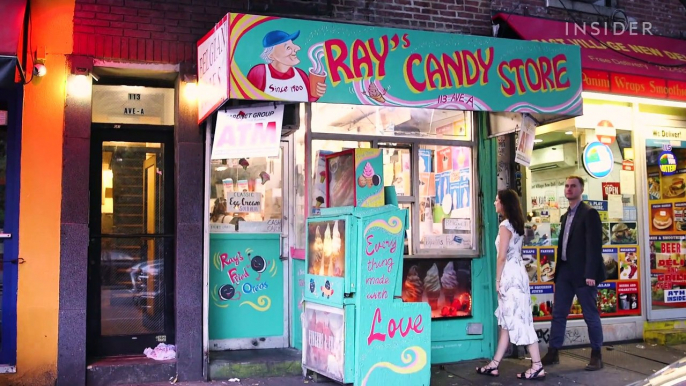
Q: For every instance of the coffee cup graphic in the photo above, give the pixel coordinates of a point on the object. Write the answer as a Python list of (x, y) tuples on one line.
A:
[(316, 79)]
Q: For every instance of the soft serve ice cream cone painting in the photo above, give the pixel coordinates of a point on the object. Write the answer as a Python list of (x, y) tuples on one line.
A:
[(445, 284), (326, 243)]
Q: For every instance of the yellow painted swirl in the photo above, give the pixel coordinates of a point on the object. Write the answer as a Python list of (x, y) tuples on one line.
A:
[(263, 303), (413, 365), (394, 225)]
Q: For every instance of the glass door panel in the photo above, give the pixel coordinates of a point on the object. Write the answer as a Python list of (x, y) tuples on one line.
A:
[(246, 195), (131, 246)]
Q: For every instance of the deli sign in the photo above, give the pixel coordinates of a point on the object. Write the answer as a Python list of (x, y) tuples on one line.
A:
[(626, 84), (213, 69), (248, 132)]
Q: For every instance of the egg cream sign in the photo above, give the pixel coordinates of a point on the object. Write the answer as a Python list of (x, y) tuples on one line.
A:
[(296, 60)]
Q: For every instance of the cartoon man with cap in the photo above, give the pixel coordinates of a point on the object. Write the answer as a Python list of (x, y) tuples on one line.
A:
[(279, 77)]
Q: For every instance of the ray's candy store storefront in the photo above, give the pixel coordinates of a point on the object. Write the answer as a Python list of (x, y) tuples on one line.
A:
[(278, 97)]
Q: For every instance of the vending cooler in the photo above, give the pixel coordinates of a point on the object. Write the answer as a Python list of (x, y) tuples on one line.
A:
[(356, 328)]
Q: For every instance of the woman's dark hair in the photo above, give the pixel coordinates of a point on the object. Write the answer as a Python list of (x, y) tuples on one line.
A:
[(219, 209), (509, 200)]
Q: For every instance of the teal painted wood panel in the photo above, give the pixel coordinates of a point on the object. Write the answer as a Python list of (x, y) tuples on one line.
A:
[(246, 286)]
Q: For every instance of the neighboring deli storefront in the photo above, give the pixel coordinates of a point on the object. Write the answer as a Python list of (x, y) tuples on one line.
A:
[(629, 146), (277, 96)]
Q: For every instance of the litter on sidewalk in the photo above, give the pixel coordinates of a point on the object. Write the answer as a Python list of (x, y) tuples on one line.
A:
[(162, 352)]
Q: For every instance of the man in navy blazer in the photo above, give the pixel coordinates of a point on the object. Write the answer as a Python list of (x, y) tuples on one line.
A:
[(578, 272)]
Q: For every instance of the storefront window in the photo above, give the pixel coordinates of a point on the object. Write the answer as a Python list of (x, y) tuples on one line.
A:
[(666, 171), (396, 168), (430, 167), (445, 198), (392, 121), (602, 153), (320, 149), (246, 195)]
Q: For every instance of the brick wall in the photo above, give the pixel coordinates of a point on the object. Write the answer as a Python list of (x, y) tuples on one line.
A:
[(166, 31), (668, 17)]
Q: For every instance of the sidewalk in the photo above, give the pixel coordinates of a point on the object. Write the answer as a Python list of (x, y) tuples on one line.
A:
[(624, 364)]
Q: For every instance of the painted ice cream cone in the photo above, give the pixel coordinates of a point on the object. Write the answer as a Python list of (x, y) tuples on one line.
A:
[(327, 251), (318, 247), (432, 287), (449, 283), (336, 240), (413, 287), (379, 98), (368, 174)]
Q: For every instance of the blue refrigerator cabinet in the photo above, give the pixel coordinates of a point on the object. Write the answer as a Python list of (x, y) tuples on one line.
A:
[(356, 328)]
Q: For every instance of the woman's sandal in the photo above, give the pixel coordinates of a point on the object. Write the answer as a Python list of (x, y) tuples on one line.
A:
[(489, 370), (534, 375)]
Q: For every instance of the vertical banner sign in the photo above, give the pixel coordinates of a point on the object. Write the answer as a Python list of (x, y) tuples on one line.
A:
[(213, 70), (525, 141), (248, 132)]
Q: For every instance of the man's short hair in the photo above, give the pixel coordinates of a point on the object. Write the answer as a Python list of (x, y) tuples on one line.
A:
[(581, 180), (265, 54)]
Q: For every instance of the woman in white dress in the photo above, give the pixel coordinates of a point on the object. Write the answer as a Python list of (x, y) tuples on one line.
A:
[(512, 285)]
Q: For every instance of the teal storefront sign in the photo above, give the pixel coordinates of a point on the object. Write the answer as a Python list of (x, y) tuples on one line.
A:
[(246, 286), (273, 58)]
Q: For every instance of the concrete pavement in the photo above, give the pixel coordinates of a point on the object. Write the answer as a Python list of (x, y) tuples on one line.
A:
[(624, 363)]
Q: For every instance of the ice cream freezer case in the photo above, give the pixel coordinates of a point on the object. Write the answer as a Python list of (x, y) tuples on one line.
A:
[(356, 328)]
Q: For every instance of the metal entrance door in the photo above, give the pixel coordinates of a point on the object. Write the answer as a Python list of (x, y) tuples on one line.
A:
[(131, 253)]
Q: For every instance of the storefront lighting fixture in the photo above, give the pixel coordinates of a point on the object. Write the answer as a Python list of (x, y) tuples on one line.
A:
[(39, 70), (628, 99), (221, 168), (569, 132), (79, 86), (538, 140), (190, 88)]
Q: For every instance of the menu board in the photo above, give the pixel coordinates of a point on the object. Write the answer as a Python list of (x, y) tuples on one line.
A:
[(666, 170), (618, 296)]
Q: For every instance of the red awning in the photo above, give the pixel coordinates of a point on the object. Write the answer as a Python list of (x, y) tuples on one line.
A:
[(12, 12), (629, 62)]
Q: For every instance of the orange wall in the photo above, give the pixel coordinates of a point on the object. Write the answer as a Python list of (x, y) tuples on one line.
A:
[(41, 180)]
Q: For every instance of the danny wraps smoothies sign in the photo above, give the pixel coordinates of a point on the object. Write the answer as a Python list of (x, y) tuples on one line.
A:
[(296, 60)]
